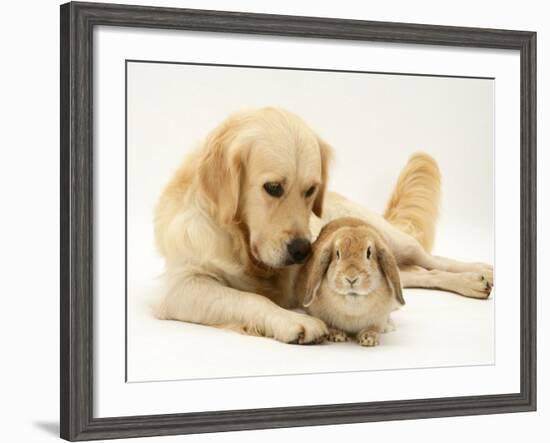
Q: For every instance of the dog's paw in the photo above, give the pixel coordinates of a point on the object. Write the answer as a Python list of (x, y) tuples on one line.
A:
[(298, 328), (475, 284), (485, 271), (336, 335), (367, 338)]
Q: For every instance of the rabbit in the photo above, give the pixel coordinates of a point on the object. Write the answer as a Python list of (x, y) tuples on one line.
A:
[(351, 282)]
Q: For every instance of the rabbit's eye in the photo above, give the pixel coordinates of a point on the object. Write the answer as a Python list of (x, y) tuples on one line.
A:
[(338, 254), (368, 252)]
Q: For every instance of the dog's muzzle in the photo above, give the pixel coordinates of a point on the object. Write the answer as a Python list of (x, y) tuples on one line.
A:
[(298, 249)]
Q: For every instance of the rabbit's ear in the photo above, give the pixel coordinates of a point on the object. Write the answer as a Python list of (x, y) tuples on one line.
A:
[(389, 267), (315, 270)]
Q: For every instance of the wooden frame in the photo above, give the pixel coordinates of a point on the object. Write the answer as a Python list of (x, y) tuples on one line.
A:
[(77, 23)]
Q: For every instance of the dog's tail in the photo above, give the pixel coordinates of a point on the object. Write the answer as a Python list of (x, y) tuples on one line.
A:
[(414, 204)]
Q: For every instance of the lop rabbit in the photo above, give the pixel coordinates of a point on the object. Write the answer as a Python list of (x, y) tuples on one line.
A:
[(351, 282)]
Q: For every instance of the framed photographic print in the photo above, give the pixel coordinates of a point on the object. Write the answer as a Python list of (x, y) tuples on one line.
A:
[(272, 221)]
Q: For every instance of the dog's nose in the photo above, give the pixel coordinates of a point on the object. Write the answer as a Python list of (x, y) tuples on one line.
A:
[(299, 249), (351, 281)]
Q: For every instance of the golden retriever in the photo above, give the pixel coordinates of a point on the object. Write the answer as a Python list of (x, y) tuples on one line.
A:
[(236, 221)]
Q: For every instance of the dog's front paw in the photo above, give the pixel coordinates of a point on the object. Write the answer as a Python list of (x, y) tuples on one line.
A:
[(336, 335), (299, 328), (367, 338)]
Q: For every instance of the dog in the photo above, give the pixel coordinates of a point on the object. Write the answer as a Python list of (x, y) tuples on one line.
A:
[(236, 221)]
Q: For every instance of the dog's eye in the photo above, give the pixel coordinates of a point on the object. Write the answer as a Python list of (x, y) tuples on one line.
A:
[(310, 191), (338, 254), (368, 252), (274, 189)]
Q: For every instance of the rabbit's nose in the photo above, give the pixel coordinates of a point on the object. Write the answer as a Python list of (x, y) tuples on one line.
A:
[(351, 281)]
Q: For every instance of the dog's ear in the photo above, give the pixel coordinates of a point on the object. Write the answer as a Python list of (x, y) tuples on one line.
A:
[(220, 171), (326, 155), (389, 268)]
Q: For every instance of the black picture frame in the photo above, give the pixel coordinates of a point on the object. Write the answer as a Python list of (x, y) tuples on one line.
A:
[(77, 23)]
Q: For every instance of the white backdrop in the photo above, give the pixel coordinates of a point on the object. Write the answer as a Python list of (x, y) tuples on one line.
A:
[(374, 123), (30, 344)]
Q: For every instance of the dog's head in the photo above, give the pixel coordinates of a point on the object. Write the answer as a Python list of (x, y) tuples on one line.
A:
[(266, 171)]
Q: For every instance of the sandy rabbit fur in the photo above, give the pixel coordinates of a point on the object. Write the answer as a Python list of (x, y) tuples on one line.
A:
[(351, 282)]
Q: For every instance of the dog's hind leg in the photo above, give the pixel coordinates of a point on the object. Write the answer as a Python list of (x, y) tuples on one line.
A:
[(469, 284), (421, 258)]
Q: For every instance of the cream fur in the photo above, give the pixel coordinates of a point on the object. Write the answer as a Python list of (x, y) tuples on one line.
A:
[(414, 204), (224, 239), (351, 281)]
